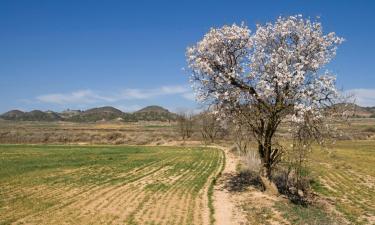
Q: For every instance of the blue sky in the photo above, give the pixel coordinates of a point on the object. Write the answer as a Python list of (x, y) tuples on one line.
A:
[(129, 54)]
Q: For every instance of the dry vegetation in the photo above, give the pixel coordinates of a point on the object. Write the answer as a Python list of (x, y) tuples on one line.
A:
[(115, 133), (144, 133)]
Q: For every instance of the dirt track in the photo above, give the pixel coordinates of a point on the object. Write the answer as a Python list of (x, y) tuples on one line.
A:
[(226, 212)]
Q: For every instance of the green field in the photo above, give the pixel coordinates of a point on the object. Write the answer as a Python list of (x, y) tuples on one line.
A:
[(343, 177), (106, 185), (347, 178)]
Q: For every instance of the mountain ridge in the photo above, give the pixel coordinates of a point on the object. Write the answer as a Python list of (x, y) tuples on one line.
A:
[(108, 113), (105, 113)]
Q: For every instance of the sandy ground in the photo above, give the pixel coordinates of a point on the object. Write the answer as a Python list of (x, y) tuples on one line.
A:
[(227, 204), (226, 212)]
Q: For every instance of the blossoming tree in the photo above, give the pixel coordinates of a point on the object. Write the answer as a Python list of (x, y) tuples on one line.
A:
[(266, 77)]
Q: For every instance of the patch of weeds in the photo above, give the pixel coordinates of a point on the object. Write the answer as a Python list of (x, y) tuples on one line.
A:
[(370, 129), (349, 212), (6, 222), (131, 220), (298, 214), (239, 167), (319, 188), (258, 216)]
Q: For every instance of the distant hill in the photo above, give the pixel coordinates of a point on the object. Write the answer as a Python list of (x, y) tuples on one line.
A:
[(13, 115), (38, 115), (35, 115), (358, 111), (364, 111), (151, 113), (69, 113), (153, 108), (106, 110), (107, 113)]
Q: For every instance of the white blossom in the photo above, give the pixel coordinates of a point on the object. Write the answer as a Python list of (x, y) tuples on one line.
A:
[(279, 66)]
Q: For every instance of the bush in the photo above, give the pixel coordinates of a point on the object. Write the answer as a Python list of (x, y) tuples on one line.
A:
[(251, 161), (370, 129), (296, 186)]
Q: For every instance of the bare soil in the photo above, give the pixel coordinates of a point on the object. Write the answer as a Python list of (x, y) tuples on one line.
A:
[(226, 210)]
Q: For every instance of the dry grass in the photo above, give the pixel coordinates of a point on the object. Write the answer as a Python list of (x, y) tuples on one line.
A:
[(113, 133)]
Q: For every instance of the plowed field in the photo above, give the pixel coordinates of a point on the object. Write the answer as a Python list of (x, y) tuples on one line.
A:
[(106, 185)]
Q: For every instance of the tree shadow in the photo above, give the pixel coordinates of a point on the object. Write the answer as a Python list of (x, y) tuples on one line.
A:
[(239, 182)]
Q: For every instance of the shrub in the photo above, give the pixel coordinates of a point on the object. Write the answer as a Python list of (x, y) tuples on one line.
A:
[(295, 185), (370, 129), (252, 161)]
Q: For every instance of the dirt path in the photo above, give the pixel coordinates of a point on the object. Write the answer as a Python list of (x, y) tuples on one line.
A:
[(226, 212)]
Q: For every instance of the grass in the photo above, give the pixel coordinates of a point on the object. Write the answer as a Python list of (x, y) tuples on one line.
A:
[(105, 184), (211, 190), (297, 214), (344, 176), (347, 175), (258, 215)]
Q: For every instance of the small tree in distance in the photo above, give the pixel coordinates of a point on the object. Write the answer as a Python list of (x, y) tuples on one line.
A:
[(241, 137), (264, 78), (185, 124), (210, 126)]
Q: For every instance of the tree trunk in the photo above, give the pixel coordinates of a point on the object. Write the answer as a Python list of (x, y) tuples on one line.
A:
[(266, 171), (269, 186)]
